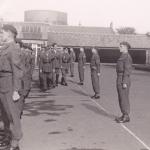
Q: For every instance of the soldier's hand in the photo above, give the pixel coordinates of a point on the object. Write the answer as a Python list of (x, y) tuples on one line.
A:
[(83, 67), (98, 74), (124, 86), (16, 96), (53, 70), (40, 70)]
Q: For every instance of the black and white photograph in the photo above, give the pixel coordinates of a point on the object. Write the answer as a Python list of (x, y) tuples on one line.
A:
[(74, 75)]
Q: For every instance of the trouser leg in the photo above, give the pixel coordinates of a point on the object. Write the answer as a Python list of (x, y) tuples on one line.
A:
[(63, 76), (44, 81), (81, 74), (72, 69), (95, 82), (54, 78), (57, 76), (50, 76), (123, 96), (13, 115)]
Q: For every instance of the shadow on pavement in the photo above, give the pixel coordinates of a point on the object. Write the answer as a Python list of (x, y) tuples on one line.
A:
[(79, 92), (42, 95), (84, 149), (99, 111), (55, 132), (49, 107)]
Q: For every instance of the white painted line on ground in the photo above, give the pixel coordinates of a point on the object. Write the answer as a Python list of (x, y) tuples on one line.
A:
[(136, 137), (122, 125)]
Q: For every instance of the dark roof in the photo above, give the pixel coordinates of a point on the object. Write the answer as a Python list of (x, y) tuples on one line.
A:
[(80, 29), (99, 40), (136, 41)]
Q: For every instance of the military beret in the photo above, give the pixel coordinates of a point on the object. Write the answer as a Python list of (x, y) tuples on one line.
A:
[(8, 27), (126, 44), (54, 44)]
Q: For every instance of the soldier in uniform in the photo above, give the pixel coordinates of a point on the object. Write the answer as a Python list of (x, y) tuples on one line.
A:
[(95, 73), (40, 67), (123, 69), (10, 85), (57, 63), (72, 60), (81, 65), (64, 68), (21, 101), (29, 65), (46, 67)]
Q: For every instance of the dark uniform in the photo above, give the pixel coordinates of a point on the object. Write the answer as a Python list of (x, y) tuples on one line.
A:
[(46, 66), (95, 72), (57, 66), (11, 73), (81, 65), (65, 57), (40, 68), (54, 64), (72, 60), (123, 69), (28, 65)]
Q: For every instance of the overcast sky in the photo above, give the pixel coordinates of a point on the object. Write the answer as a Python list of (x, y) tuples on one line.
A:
[(132, 13)]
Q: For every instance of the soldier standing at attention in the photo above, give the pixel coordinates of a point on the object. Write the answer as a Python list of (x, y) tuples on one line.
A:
[(40, 67), (46, 68), (65, 62), (81, 65), (10, 85), (29, 65), (53, 52), (72, 60), (123, 69), (95, 73), (57, 62)]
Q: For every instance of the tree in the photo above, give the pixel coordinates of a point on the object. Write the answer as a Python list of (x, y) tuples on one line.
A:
[(148, 34), (126, 30)]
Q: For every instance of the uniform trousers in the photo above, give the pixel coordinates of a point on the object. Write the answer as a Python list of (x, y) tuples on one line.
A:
[(64, 74), (123, 94), (72, 68), (95, 81), (47, 79), (10, 111), (81, 73)]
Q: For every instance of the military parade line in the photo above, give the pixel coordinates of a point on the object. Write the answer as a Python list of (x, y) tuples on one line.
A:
[(16, 68)]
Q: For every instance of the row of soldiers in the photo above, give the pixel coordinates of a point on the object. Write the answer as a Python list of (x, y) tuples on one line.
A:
[(52, 61), (16, 68), (123, 82)]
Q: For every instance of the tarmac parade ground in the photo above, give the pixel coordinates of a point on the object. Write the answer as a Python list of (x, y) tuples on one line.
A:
[(66, 118)]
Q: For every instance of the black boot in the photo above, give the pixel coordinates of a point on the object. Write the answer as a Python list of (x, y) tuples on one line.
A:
[(123, 119)]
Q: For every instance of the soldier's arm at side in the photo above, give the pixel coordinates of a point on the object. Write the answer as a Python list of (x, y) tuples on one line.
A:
[(40, 63), (84, 60), (74, 57), (127, 70), (17, 69)]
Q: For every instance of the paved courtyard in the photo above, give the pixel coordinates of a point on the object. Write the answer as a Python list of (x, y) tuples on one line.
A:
[(66, 118)]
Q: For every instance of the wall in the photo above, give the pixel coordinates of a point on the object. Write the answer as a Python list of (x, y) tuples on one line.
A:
[(111, 55)]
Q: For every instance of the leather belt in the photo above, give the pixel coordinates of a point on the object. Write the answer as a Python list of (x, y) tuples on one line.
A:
[(5, 74)]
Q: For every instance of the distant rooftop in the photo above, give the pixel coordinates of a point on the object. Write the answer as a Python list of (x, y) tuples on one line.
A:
[(80, 29), (100, 40)]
